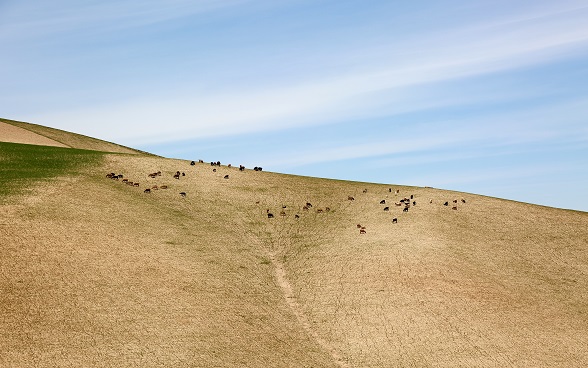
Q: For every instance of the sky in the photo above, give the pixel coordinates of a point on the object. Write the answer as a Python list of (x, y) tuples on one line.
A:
[(487, 97)]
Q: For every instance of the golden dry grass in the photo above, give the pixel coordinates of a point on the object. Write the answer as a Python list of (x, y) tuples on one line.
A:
[(96, 273), (54, 137)]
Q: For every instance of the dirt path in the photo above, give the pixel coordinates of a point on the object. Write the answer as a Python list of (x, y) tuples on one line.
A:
[(297, 310)]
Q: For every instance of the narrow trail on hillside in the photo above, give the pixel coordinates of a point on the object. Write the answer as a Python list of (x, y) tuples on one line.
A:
[(286, 287)]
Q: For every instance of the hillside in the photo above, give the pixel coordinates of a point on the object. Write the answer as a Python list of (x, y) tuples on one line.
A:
[(96, 272), (27, 133)]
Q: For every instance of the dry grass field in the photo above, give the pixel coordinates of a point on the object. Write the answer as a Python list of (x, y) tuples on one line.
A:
[(96, 273)]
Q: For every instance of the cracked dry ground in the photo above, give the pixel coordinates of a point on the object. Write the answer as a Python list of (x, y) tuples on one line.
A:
[(96, 273)]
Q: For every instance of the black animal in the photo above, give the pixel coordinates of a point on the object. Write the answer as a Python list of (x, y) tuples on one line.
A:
[(308, 204), (270, 215), (192, 163), (296, 216), (183, 194), (241, 168), (383, 201), (405, 209), (226, 176), (386, 208), (394, 220), (414, 203), (446, 204)]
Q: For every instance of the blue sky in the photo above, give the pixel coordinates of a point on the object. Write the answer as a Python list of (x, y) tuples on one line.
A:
[(487, 97)]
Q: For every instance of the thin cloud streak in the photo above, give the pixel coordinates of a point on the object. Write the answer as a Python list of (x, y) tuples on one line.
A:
[(321, 102)]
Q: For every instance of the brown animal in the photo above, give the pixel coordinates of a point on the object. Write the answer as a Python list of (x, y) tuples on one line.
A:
[(463, 201), (398, 204), (365, 190), (358, 226), (454, 208), (136, 184), (305, 208), (282, 213), (154, 187), (362, 231), (350, 198), (319, 211), (328, 209), (163, 187)]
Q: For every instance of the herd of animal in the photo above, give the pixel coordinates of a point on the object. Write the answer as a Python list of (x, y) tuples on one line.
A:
[(177, 175), (406, 202)]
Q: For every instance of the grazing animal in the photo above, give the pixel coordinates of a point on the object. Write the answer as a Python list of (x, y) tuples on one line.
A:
[(383, 201), (201, 161), (350, 198), (163, 187), (308, 204), (358, 226), (305, 208), (411, 196), (397, 191), (398, 204), (390, 190), (183, 194), (213, 170), (136, 184), (130, 183), (362, 231), (328, 209), (125, 180), (463, 201), (446, 204), (229, 165), (270, 215), (394, 220), (297, 216), (284, 206), (154, 187), (147, 190), (455, 201), (431, 201), (414, 203), (405, 209), (454, 208), (218, 163), (241, 168), (183, 174), (192, 163), (365, 190), (226, 176), (386, 208), (282, 213), (319, 211)]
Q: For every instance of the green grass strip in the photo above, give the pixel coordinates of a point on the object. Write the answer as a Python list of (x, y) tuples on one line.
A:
[(22, 165)]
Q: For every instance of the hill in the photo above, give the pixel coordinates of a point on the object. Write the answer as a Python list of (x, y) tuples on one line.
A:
[(27, 133), (96, 272)]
